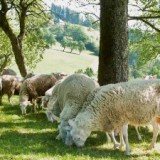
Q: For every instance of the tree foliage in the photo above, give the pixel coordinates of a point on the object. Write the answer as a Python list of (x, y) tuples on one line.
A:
[(61, 13), (5, 51), (20, 19), (73, 36)]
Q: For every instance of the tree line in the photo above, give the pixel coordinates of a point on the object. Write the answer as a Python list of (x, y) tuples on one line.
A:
[(61, 13), (73, 37)]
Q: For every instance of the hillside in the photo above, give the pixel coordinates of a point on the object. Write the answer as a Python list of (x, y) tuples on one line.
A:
[(57, 61)]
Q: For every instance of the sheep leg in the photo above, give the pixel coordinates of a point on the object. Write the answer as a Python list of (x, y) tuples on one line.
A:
[(9, 98), (108, 137), (116, 144), (155, 134), (125, 135), (34, 106), (138, 134), (121, 139)]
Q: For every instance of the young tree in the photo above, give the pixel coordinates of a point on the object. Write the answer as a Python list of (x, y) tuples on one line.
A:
[(113, 53), (81, 46), (64, 43), (72, 45)]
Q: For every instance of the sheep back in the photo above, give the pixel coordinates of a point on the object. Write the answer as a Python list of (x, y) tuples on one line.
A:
[(36, 86), (111, 106), (72, 92)]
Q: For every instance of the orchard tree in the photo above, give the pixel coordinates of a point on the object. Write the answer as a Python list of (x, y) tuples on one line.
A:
[(19, 18), (81, 46), (64, 43), (72, 45)]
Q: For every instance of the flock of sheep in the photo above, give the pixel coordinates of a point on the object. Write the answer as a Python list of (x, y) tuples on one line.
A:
[(81, 106)]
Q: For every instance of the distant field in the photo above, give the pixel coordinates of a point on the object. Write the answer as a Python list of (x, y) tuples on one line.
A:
[(57, 61)]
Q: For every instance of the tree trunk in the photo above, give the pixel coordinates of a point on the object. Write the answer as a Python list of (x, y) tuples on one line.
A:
[(18, 54), (113, 54), (16, 41)]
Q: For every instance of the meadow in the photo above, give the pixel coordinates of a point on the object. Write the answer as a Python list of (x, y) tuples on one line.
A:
[(55, 60), (32, 137)]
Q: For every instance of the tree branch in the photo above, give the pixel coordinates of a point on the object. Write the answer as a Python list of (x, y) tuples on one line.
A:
[(146, 22), (4, 64)]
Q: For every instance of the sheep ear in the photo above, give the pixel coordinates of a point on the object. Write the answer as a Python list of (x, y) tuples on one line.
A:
[(71, 122)]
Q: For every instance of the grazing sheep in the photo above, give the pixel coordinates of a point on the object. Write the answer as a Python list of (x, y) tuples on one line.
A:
[(45, 99), (8, 71), (60, 76), (34, 87), (67, 99), (117, 105), (10, 83), (48, 93), (146, 77)]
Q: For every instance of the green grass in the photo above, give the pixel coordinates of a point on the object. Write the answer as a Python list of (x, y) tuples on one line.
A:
[(32, 137), (57, 61)]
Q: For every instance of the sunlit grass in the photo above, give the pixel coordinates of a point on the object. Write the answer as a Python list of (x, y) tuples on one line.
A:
[(57, 61), (32, 137)]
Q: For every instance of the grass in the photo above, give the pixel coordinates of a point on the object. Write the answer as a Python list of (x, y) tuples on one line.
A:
[(57, 61), (32, 137)]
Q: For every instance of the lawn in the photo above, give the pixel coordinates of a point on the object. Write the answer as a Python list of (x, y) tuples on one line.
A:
[(57, 61), (32, 137)]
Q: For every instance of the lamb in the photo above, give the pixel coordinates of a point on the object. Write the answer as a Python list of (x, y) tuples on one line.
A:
[(34, 87), (67, 99), (112, 106)]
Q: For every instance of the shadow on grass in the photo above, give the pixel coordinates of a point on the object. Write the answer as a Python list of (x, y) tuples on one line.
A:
[(11, 109), (45, 143), (15, 142)]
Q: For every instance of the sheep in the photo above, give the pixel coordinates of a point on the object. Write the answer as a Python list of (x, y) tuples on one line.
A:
[(48, 93), (45, 99), (8, 71), (112, 106), (10, 83), (146, 77), (34, 87), (67, 99)]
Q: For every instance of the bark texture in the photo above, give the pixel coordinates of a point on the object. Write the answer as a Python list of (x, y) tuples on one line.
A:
[(16, 41), (113, 56)]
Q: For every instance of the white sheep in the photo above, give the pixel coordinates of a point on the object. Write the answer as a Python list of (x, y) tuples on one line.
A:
[(67, 99), (112, 106), (146, 77)]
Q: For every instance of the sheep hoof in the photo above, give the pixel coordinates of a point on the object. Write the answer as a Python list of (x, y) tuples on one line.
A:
[(150, 147), (116, 146), (127, 153), (140, 138)]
